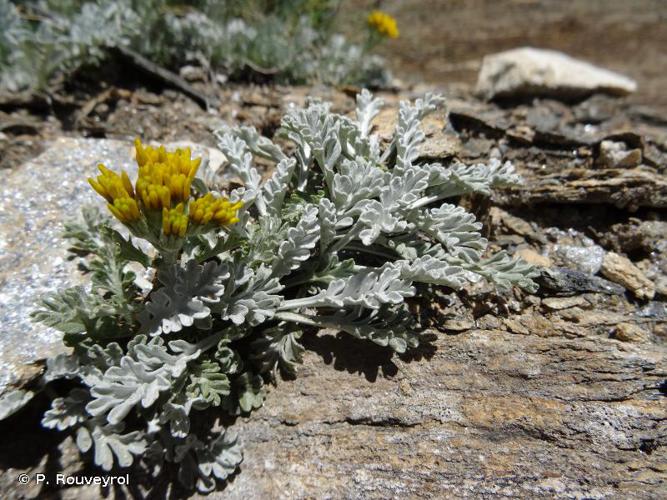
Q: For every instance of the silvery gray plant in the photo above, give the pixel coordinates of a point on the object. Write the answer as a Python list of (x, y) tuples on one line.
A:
[(341, 235), (80, 35)]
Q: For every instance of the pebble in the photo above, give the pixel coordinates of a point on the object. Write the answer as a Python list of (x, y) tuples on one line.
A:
[(616, 155), (621, 270), (559, 303), (532, 257), (587, 259)]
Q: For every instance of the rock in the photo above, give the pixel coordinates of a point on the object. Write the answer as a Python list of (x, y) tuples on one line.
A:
[(456, 325), (484, 405), (587, 259), (616, 155), (567, 282), (193, 73), (573, 249), (621, 270), (517, 225), (559, 303), (532, 257), (627, 332), (656, 273), (637, 236), (439, 145), (33, 206), (623, 188), (528, 72)]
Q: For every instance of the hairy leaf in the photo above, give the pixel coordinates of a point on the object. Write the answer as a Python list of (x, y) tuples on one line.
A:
[(109, 445), (183, 298), (67, 412)]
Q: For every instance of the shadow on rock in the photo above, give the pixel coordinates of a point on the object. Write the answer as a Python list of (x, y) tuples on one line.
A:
[(362, 357)]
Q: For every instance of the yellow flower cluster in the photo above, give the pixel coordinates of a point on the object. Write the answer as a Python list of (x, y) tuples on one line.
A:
[(164, 177), (174, 221), (383, 23), (163, 185), (208, 208)]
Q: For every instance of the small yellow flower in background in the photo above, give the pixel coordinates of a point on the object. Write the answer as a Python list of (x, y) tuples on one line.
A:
[(208, 208), (383, 23), (174, 221)]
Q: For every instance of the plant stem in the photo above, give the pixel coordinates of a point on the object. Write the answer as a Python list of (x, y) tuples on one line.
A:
[(293, 317)]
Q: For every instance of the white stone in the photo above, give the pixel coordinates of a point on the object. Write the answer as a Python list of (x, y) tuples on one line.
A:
[(528, 71)]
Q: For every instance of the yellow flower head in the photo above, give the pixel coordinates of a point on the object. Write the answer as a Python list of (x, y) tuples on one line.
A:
[(110, 185), (219, 210), (174, 221), (383, 23), (119, 193), (164, 177), (164, 180), (125, 209)]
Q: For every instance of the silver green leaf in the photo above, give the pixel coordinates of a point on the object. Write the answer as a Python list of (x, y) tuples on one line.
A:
[(183, 298), (110, 446), (278, 347), (68, 411), (300, 241)]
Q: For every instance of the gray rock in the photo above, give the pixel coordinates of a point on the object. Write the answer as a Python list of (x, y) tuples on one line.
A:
[(35, 199), (567, 282), (527, 71), (586, 258)]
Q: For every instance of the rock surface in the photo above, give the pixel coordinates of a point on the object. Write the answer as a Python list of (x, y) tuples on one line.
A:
[(33, 258), (527, 72), (627, 332), (532, 257), (616, 155), (621, 270), (487, 413)]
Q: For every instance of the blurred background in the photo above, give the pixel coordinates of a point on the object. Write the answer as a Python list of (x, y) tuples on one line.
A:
[(444, 41)]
